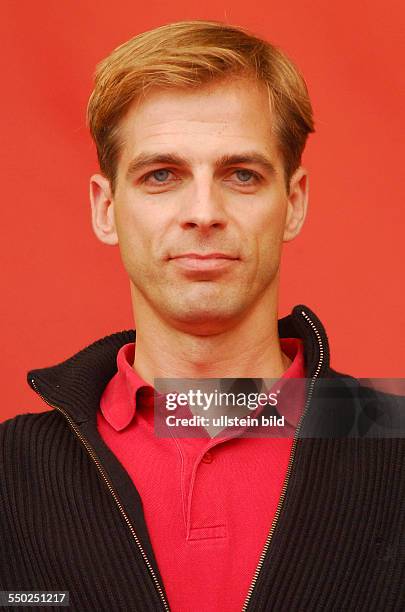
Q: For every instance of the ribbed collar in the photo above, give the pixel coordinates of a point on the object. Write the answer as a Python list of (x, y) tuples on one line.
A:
[(77, 384)]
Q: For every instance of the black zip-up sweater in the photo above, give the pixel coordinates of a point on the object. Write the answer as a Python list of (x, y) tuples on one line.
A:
[(72, 519)]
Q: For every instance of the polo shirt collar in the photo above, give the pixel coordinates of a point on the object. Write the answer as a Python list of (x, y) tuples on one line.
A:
[(127, 391), (119, 400)]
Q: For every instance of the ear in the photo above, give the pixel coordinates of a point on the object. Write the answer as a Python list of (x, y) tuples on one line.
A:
[(102, 209), (297, 204)]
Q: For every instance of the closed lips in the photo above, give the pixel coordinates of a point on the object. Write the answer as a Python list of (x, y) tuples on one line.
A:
[(210, 256)]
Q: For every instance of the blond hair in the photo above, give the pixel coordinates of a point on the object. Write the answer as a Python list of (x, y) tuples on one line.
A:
[(188, 54)]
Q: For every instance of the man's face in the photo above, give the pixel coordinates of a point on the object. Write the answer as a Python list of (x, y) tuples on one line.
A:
[(201, 207)]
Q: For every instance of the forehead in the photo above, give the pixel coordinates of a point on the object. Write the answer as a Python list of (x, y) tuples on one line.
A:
[(211, 120)]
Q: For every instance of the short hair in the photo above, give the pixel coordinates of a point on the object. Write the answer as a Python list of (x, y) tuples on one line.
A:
[(188, 54)]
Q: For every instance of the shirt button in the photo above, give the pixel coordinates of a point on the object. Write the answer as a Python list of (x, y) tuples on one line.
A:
[(207, 457)]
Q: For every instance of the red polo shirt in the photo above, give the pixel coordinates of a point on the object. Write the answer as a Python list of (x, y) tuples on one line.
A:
[(208, 503)]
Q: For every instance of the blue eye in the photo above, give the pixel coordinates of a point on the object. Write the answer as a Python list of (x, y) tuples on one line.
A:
[(161, 175), (244, 175)]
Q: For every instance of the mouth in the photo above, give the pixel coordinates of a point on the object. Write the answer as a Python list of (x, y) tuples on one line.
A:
[(204, 262)]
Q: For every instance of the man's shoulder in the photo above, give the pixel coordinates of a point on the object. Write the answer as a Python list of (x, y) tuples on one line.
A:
[(18, 432), (372, 387), (381, 411), (26, 418)]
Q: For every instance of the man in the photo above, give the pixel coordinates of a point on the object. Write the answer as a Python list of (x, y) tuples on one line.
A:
[(200, 129)]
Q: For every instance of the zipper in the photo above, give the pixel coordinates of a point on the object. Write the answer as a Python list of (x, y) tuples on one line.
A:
[(290, 465), (100, 468)]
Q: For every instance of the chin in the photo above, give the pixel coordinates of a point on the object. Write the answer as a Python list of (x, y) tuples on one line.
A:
[(203, 319)]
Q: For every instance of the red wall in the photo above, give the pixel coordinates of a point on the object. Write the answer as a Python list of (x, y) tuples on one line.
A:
[(62, 289)]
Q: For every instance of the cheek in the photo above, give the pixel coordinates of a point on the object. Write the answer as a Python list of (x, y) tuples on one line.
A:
[(268, 229), (141, 232)]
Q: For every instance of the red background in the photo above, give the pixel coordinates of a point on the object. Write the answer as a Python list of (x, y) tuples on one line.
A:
[(62, 289)]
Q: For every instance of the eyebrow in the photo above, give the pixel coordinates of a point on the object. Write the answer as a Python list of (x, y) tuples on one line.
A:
[(144, 160)]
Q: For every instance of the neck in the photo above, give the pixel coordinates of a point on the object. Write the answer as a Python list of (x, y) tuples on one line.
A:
[(249, 349)]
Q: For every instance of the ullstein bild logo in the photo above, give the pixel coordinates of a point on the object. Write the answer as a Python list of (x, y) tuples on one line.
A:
[(225, 421)]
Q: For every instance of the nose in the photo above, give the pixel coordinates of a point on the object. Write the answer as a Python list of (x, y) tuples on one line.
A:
[(203, 208)]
